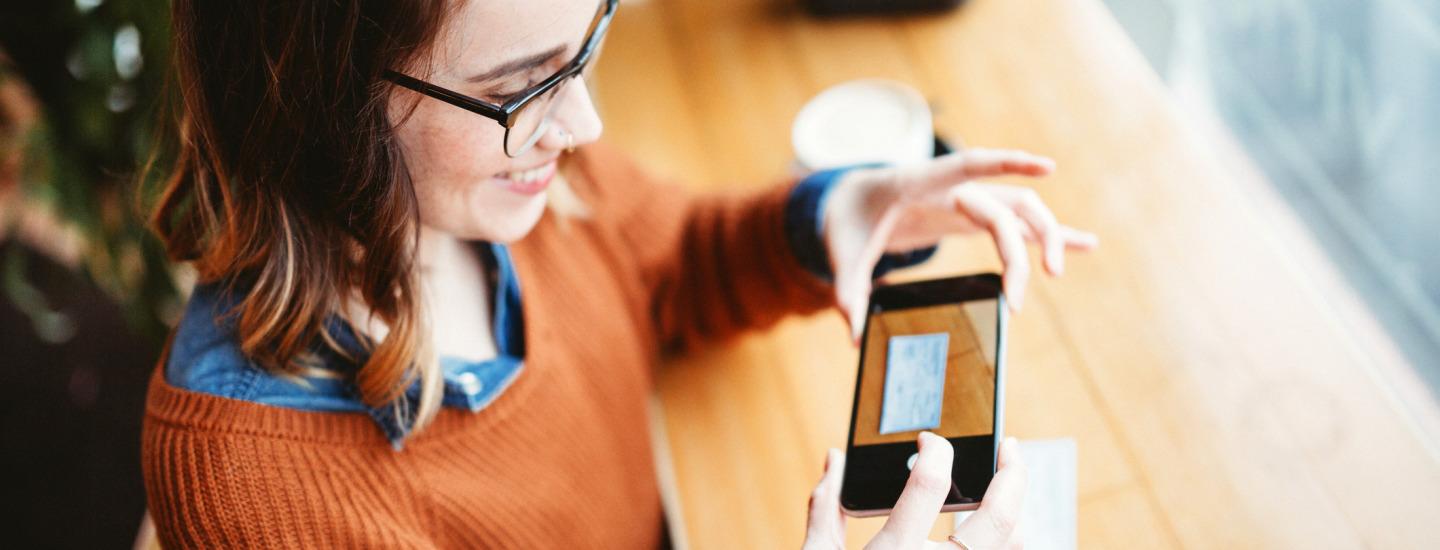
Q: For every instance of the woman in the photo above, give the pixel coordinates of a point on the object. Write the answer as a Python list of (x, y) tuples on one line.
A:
[(395, 342)]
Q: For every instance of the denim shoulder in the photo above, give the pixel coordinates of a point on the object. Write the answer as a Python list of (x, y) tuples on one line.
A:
[(205, 357)]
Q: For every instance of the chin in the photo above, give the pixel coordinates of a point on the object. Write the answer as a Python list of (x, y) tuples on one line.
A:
[(515, 224)]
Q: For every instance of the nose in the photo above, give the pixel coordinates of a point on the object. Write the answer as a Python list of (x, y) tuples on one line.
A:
[(574, 115)]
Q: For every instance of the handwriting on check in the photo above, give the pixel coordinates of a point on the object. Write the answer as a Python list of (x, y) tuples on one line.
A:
[(914, 382)]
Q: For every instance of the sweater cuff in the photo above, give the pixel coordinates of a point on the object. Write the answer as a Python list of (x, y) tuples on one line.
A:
[(804, 227)]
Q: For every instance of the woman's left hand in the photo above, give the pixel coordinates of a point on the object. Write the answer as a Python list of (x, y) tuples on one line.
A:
[(895, 209)]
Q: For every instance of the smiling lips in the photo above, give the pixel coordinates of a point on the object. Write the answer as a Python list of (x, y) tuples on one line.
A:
[(528, 182)]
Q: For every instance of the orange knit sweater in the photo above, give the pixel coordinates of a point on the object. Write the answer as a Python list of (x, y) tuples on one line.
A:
[(561, 458)]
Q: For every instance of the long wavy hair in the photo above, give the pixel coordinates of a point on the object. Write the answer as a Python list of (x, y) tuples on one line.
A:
[(287, 183)]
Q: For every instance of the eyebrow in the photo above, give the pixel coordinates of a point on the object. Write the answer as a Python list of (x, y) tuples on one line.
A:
[(517, 65)]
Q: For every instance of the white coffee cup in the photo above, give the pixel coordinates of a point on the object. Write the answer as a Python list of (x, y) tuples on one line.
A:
[(863, 121)]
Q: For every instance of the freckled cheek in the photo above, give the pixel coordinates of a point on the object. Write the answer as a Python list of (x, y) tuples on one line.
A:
[(451, 155), (446, 146), (464, 154)]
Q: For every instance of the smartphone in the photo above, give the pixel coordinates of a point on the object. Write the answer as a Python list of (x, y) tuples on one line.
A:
[(932, 358)]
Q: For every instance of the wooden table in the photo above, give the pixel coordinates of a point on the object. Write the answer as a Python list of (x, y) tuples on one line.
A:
[(1224, 386)]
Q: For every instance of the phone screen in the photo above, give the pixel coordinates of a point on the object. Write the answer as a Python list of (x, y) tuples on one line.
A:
[(925, 367)]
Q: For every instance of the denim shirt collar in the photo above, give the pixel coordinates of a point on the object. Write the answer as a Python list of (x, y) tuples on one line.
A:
[(205, 357), (468, 385)]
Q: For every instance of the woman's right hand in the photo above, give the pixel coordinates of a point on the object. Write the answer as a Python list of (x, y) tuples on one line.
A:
[(991, 526)]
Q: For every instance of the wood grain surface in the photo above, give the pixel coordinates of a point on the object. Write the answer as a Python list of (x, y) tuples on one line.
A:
[(1225, 387)]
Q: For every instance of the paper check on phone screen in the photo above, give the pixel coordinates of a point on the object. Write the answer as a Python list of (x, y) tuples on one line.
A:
[(914, 382)]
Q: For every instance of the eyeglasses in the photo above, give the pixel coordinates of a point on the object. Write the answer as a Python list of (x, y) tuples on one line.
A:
[(527, 115)]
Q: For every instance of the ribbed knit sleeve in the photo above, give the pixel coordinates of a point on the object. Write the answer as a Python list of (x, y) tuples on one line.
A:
[(714, 264)]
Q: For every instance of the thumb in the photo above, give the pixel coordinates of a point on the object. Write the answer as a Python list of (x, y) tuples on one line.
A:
[(853, 296), (993, 525), (853, 267), (826, 527)]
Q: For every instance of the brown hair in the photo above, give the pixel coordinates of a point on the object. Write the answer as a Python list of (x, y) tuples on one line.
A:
[(288, 184)]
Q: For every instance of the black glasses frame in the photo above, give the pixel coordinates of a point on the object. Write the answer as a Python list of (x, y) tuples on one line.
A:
[(507, 114)]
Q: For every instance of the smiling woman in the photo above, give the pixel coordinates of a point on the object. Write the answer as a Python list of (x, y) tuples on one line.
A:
[(525, 113), (357, 367)]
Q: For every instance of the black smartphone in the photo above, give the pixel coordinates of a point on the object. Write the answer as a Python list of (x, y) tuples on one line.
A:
[(932, 358)]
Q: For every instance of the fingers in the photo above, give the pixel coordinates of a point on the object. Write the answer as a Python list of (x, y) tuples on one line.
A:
[(1007, 488), (993, 524), (827, 491), (853, 268), (826, 528), (924, 494), (985, 163), (1046, 228), (852, 294), (1079, 240), (1008, 233), (1041, 226), (1014, 215)]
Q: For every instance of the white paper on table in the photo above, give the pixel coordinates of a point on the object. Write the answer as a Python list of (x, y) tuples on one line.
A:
[(1047, 521), (914, 382)]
